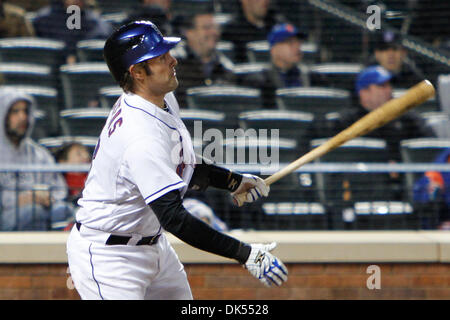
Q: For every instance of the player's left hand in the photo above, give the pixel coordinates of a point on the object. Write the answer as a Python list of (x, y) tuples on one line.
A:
[(265, 266), (254, 186)]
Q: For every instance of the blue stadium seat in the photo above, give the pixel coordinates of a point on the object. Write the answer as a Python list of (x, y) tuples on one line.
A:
[(202, 120), (316, 100), (109, 96), (229, 99), (83, 121), (290, 124), (27, 74), (337, 75), (33, 50), (90, 50), (81, 83)]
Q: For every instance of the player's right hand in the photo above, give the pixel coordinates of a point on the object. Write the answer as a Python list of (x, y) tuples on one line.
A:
[(253, 187), (266, 267)]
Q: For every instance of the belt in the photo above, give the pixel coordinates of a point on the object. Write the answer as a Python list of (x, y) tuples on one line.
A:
[(123, 240)]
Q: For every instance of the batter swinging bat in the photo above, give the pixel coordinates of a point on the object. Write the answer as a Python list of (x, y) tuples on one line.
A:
[(390, 110)]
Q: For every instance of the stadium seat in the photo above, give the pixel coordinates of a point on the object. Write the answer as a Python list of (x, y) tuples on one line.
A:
[(249, 147), (431, 105), (33, 50), (340, 190), (229, 99), (439, 122), (83, 121), (47, 101), (316, 100), (90, 50), (27, 74), (109, 96), (81, 83), (259, 51), (202, 120), (294, 216), (290, 124), (421, 150), (382, 215), (113, 6), (53, 143), (337, 75), (227, 48), (40, 129)]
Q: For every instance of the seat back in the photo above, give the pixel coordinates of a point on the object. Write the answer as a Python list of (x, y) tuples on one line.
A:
[(337, 75), (82, 81), (290, 124), (316, 100), (27, 74), (32, 50), (83, 121)]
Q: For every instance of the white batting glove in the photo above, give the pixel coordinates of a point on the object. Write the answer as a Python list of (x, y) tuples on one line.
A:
[(265, 266), (254, 186)]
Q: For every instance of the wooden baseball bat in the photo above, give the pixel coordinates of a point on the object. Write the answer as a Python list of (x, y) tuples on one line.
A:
[(387, 112)]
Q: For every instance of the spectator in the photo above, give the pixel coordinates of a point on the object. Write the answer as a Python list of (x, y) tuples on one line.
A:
[(284, 71), (253, 22), (74, 153), (200, 62), (51, 22), (13, 22), (390, 54), (434, 187), (157, 11), (373, 89), (30, 200)]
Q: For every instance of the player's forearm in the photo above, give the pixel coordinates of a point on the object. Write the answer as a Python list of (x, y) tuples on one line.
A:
[(208, 174), (177, 220)]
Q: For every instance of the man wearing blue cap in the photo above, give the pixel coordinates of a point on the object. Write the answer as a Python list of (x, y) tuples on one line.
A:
[(373, 88), (285, 68)]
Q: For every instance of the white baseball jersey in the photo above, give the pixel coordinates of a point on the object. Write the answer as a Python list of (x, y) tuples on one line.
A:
[(143, 152)]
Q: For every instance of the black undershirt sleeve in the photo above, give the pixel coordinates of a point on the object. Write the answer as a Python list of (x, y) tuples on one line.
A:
[(174, 218), (208, 174)]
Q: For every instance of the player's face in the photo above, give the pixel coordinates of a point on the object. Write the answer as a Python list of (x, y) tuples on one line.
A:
[(163, 77), (17, 122)]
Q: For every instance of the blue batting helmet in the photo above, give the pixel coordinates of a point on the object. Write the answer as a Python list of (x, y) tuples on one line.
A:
[(132, 43)]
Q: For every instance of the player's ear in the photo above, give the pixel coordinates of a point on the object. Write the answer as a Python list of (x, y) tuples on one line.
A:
[(137, 72)]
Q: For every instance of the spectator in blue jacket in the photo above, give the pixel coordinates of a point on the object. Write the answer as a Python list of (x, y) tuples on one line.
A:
[(435, 187)]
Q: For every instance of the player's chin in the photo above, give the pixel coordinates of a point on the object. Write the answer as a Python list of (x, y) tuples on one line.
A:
[(173, 83)]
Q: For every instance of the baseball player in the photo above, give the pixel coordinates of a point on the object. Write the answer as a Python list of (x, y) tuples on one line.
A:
[(142, 165)]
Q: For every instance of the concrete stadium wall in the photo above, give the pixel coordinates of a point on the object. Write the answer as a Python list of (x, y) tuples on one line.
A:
[(322, 265)]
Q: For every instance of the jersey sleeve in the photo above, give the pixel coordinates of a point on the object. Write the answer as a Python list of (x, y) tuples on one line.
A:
[(152, 168)]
